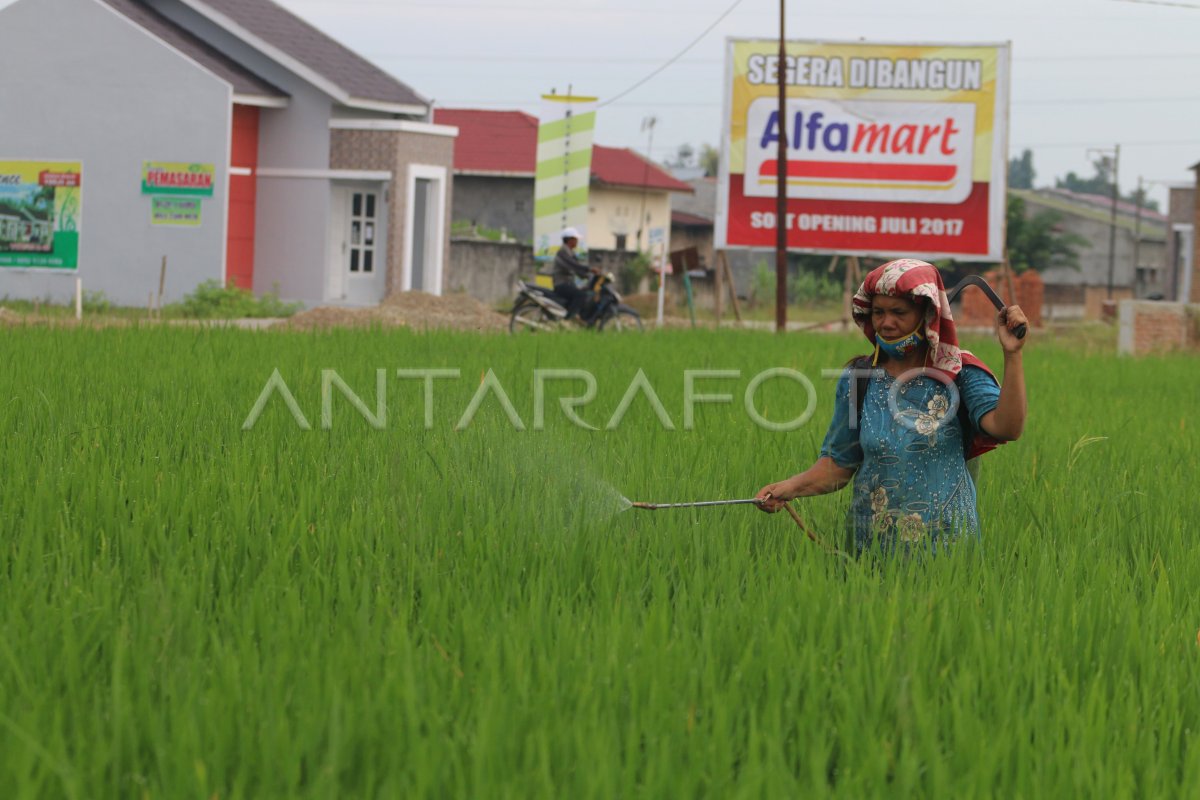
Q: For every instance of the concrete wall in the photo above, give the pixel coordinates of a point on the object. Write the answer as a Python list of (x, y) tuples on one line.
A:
[(1149, 327), (612, 212), (80, 82), (495, 202), (488, 271)]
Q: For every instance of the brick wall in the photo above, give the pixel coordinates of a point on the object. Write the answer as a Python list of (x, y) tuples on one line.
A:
[(975, 310), (1150, 327)]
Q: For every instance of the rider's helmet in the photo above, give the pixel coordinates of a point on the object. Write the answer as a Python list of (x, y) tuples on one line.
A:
[(569, 233)]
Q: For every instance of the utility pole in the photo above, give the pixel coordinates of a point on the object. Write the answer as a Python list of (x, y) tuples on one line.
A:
[(1137, 229), (647, 125), (781, 185), (1112, 226)]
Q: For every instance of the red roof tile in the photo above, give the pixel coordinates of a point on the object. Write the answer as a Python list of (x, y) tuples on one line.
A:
[(621, 167), (501, 142), (505, 142)]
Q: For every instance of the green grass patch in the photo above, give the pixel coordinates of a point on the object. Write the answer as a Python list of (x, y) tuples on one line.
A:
[(196, 610)]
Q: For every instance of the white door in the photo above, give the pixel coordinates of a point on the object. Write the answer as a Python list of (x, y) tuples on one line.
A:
[(358, 258)]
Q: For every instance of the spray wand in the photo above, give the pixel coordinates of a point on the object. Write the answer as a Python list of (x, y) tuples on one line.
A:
[(756, 501)]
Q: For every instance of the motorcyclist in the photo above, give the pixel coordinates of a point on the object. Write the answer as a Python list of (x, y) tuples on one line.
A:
[(568, 267)]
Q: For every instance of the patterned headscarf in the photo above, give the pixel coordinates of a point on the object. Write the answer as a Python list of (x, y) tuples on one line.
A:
[(911, 279)]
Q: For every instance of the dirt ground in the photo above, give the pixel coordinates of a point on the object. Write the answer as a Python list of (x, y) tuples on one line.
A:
[(407, 309)]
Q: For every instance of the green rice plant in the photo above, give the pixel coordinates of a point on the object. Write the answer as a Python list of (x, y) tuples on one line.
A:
[(193, 608), (211, 300)]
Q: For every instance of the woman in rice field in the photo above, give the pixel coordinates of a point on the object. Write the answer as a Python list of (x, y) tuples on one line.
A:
[(903, 443)]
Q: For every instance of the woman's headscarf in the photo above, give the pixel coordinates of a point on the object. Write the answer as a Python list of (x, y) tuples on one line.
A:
[(911, 279)]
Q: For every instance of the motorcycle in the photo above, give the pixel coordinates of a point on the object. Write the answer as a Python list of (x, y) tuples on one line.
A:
[(540, 309)]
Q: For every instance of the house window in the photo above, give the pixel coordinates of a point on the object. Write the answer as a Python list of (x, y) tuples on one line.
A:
[(620, 237)]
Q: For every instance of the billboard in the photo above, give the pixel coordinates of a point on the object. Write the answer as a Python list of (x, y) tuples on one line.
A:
[(892, 149), (40, 213), (564, 171)]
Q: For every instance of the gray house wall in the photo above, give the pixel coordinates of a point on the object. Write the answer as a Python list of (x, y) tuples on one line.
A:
[(113, 97), (291, 247), (493, 201), (290, 244)]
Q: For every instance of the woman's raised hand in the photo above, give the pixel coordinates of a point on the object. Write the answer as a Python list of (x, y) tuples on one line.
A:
[(1010, 318)]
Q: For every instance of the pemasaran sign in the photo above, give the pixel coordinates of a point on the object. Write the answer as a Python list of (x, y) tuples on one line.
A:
[(891, 149)]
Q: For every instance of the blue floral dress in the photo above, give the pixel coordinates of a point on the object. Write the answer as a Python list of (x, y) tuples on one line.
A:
[(911, 489)]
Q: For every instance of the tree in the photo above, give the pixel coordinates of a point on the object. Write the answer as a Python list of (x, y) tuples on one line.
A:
[(1102, 184), (1020, 171), (1035, 242), (710, 159)]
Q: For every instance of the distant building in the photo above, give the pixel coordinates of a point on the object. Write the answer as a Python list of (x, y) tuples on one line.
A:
[(1139, 265), (693, 219), (325, 179), (1181, 211), (495, 158)]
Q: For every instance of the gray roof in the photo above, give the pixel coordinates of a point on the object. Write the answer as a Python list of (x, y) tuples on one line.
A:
[(243, 80), (345, 69), (703, 200)]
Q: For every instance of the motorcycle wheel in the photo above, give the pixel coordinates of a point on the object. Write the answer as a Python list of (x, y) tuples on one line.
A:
[(530, 318), (622, 320)]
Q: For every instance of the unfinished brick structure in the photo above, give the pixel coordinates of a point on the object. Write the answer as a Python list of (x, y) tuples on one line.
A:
[(975, 310), (1152, 327)]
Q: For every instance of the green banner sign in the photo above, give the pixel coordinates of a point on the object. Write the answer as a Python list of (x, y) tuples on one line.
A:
[(181, 212), (178, 178), (40, 213)]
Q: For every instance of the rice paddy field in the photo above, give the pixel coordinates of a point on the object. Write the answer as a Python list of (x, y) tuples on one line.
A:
[(390, 609)]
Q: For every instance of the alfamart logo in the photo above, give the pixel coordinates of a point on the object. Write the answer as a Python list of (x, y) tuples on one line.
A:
[(863, 150)]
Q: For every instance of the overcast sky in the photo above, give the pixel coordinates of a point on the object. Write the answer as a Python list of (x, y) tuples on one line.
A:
[(1086, 73)]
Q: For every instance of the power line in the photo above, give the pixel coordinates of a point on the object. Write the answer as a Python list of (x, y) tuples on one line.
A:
[(1161, 143), (1064, 101), (1095, 101), (675, 57), (1192, 6), (507, 59)]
